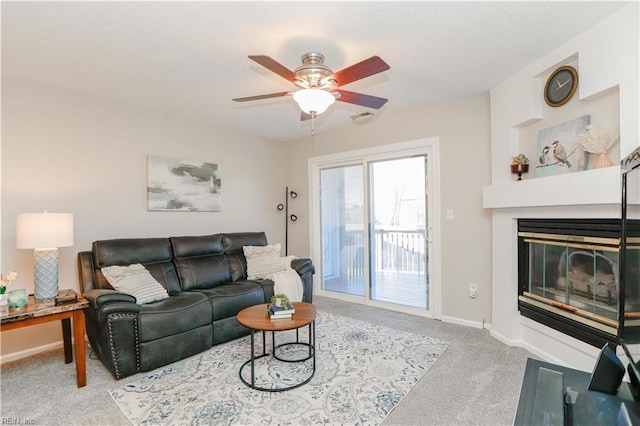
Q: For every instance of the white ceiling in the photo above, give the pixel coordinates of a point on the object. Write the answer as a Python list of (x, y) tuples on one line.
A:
[(190, 58)]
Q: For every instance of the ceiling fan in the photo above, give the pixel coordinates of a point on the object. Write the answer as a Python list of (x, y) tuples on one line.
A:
[(318, 86)]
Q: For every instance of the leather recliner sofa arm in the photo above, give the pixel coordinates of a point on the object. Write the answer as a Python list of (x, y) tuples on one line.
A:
[(303, 266), (100, 297), (103, 315), (112, 327), (116, 337), (103, 302)]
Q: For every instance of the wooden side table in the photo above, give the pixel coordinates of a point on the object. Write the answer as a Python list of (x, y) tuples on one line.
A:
[(41, 311)]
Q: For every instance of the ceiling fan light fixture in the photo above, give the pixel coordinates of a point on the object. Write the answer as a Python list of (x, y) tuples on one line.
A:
[(313, 100)]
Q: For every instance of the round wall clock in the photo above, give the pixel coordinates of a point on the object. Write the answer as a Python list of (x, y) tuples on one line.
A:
[(561, 85)]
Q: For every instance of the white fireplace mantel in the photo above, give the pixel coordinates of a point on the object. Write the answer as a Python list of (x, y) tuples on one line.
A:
[(590, 187), (607, 56)]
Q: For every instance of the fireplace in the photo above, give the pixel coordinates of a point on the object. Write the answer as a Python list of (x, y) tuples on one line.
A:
[(578, 277)]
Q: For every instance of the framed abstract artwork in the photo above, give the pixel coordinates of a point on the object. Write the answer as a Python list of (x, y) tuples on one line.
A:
[(183, 185), (559, 148)]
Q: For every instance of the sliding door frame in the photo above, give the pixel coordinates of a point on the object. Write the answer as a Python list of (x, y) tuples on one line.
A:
[(428, 147)]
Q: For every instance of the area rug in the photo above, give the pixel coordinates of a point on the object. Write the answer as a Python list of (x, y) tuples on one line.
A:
[(363, 370)]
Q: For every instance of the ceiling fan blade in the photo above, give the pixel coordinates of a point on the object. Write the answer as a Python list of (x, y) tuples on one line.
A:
[(304, 116), (274, 66), (258, 97), (358, 71), (360, 99)]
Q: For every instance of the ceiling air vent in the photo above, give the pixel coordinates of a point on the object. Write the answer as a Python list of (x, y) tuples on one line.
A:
[(362, 118)]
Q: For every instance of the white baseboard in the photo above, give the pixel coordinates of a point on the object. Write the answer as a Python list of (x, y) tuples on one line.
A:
[(503, 339), (466, 323), (28, 352), (545, 356)]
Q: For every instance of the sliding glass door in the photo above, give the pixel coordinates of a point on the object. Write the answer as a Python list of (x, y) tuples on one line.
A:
[(373, 223), (398, 231), (343, 229)]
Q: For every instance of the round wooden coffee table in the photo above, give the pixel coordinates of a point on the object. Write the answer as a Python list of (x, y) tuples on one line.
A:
[(256, 318)]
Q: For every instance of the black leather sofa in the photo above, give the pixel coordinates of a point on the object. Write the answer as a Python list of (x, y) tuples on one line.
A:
[(206, 279)]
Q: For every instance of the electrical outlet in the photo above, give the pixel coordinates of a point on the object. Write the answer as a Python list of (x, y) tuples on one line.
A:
[(473, 290)]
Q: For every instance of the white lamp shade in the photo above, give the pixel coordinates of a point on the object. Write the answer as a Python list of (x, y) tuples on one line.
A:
[(44, 230), (313, 100)]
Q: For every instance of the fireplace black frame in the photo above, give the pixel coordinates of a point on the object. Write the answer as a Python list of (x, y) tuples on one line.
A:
[(588, 228)]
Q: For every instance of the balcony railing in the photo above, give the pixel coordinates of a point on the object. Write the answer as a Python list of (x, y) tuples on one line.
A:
[(400, 251), (394, 250), (400, 259)]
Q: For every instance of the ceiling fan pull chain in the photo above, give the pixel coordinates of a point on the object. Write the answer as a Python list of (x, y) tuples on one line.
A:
[(313, 123)]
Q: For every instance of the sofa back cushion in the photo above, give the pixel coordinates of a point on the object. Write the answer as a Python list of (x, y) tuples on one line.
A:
[(153, 253), (200, 261), (233, 244)]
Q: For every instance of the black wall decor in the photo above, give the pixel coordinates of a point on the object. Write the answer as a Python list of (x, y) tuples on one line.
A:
[(287, 217)]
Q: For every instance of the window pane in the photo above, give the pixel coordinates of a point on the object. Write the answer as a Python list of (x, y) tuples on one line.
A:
[(398, 231), (343, 227)]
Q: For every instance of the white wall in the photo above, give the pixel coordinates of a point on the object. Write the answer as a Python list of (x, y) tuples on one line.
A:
[(68, 152), (462, 127), (607, 60)]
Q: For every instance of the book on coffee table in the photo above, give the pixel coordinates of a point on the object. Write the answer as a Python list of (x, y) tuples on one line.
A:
[(277, 312)]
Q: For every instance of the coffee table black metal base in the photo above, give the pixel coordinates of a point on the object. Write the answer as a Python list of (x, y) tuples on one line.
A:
[(251, 362)]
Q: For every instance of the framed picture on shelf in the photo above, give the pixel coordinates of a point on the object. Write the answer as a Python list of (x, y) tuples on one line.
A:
[(559, 150)]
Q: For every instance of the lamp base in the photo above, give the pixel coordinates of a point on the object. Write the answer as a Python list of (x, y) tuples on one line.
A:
[(46, 273)]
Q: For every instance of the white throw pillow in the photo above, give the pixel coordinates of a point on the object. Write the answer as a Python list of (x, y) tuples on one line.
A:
[(262, 261), (136, 281)]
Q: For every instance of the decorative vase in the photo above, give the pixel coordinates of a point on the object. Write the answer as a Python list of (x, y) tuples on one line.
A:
[(602, 161), (18, 298), (4, 307), (519, 169)]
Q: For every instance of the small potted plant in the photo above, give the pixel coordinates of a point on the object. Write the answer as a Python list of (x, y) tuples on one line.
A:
[(520, 165), (280, 307), (281, 300)]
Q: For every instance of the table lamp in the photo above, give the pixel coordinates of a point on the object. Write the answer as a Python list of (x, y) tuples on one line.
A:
[(44, 232)]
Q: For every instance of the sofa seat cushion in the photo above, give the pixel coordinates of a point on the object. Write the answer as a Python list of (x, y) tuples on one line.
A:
[(230, 298), (177, 314)]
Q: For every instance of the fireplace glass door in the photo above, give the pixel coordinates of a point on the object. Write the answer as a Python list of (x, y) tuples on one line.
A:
[(569, 277), (577, 277)]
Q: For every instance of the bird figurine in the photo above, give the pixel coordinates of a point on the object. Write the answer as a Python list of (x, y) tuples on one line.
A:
[(560, 153), (544, 158)]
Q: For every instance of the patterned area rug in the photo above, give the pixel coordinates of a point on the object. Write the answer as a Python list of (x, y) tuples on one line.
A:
[(362, 372)]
